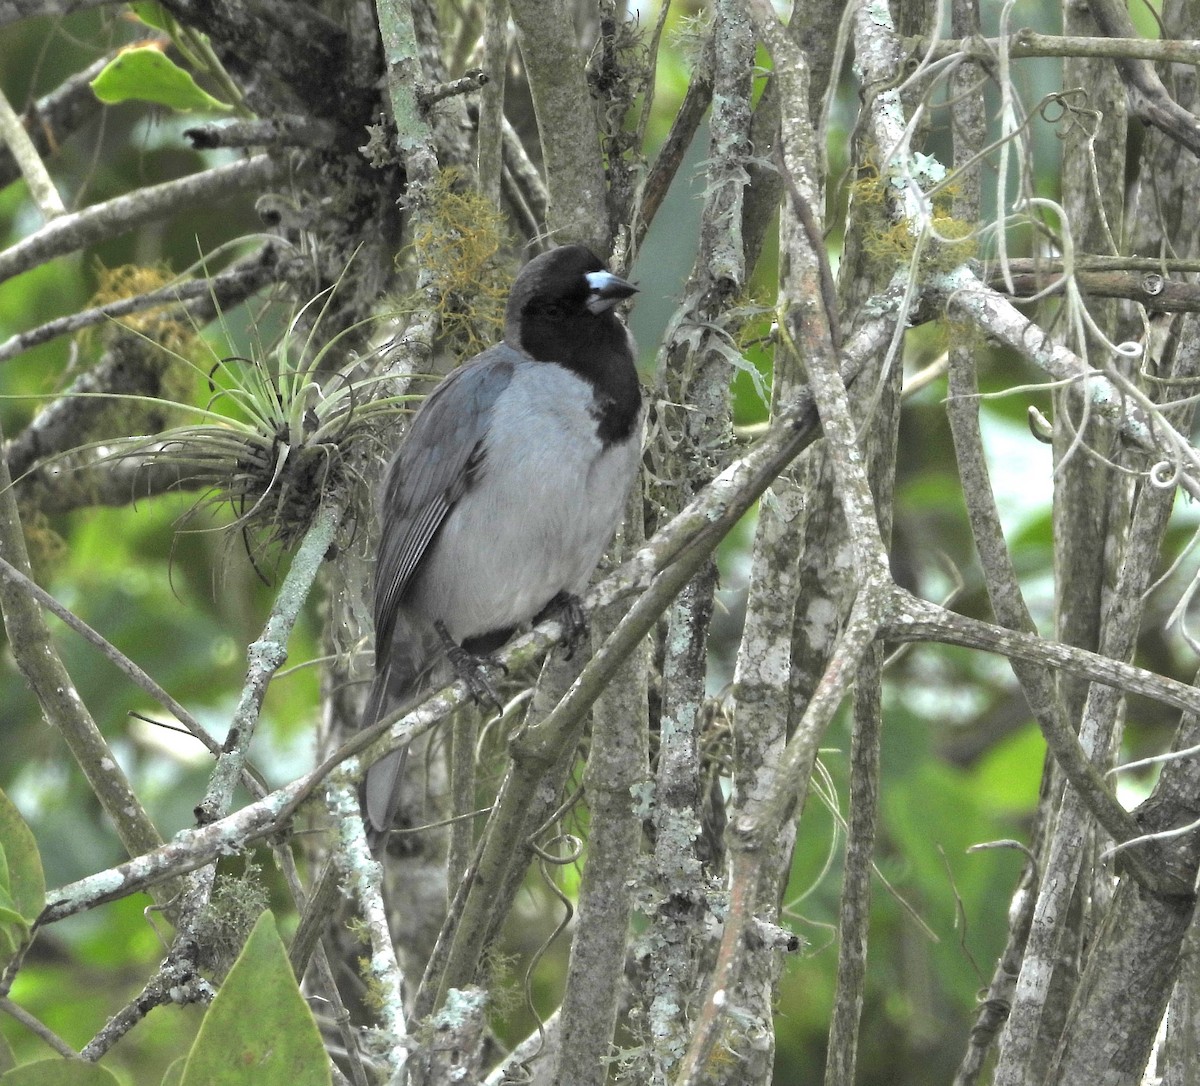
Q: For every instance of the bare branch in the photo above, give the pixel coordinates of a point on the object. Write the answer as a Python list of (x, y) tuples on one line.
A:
[(41, 187), (653, 191), (53, 119), (33, 649), (275, 132), (1149, 288), (1150, 99), (123, 213), (566, 121), (1027, 42), (266, 656), (220, 292)]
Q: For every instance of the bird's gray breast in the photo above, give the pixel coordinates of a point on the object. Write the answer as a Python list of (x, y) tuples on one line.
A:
[(547, 501)]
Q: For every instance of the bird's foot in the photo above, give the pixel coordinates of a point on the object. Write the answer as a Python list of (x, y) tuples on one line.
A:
[(471, 668), (568, 609)]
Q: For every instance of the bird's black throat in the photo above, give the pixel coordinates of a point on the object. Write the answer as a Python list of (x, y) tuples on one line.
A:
[(595, 348)]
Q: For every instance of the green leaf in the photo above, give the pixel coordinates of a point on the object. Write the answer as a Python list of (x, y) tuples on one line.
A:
[(259, 1030), (7, 1060), (146, 74), (23, 881), (151, 13), (174, 1073), (22, 884), (59, 1072)]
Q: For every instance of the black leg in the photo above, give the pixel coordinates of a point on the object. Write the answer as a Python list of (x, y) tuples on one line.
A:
[(471, 669), (568, 609)]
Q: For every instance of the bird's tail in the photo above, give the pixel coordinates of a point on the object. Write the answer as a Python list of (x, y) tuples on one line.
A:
[(381, 785), (400, 681)]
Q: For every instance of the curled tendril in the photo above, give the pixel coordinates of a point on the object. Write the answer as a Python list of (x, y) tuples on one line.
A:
[(573, 854), (1165, 474), (1056, 105)]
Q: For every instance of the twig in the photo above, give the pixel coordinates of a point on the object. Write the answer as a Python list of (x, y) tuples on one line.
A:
[(468, 83), (1027, 42), (967, 298), (365, 876), (918, 620), (195, 848), (51, 120), (692, 109), (266, 656), (1148, 96), (854, 907), (224, 290), (80, 229), (37, 1027), (312, 132), (174, 982), (490, 129), (33, 169)]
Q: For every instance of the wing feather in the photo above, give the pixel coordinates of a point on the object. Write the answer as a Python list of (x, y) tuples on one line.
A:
[(443, 455)]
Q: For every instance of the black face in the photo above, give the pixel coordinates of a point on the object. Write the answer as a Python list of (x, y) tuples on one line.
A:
[(551, 289), (556, 313)]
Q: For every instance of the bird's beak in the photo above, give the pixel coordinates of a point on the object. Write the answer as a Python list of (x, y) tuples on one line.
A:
[(606, 290)]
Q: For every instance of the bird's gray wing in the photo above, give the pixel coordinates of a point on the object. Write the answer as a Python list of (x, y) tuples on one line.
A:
[(440, 459)]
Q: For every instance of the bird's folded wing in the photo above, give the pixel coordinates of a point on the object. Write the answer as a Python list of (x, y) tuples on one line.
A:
[(442, 457)]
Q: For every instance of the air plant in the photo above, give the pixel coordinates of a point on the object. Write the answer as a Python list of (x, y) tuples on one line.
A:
[(283, 429)]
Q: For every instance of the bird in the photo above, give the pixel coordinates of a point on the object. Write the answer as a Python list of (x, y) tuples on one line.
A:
[(504, 494)]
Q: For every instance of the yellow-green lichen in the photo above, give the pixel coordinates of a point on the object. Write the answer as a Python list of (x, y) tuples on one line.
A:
[(460, 246)]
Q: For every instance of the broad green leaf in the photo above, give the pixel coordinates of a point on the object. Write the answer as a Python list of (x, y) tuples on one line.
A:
[(7, 1060), (22, 884), (145, 74), (23, 881), (59, 1072), (174, 1074), (258, 1031)]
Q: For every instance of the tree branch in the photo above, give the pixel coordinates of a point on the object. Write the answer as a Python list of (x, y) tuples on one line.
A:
[(1027, 42), (29, 162), (1149, 98), (967, 298), (81, 229), (51, 120), (1148, 288), (198, 296), (266, 655), (33, 649), (566, 121)]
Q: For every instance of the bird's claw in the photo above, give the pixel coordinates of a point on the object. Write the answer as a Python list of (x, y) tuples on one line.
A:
[(471, 668), (568, 609)]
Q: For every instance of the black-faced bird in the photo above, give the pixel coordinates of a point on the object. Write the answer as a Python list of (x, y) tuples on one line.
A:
[(508, 487)]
